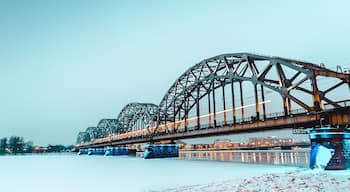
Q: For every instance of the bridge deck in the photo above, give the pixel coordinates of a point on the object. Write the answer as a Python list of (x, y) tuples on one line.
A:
[(306, 120)]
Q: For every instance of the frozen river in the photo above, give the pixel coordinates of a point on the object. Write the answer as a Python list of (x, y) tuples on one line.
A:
[(69, 172)]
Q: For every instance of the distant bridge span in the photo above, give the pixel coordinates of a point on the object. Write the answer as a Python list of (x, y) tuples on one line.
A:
[(233, 93)]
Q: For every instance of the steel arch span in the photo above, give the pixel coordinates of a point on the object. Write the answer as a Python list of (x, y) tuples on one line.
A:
[(298, 84), (94, 133), (136, 116), (107, 127), (83, 137)]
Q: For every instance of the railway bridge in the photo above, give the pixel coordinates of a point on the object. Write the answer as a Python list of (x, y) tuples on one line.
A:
[(235, 93)]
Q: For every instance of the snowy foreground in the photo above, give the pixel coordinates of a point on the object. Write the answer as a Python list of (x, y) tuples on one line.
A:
[(293, 181), (73, 173)]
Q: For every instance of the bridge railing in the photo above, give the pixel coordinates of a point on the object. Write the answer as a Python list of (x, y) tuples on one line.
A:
[(176, 127), (164, 129), (245, 120)]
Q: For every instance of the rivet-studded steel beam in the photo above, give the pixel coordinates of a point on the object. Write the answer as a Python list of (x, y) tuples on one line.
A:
[(83, 137), (107, 126), (276, 74), (229, 90), (136, 116)]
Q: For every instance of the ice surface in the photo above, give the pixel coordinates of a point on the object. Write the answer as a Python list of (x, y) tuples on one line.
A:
[(65, 173), (324, 155)]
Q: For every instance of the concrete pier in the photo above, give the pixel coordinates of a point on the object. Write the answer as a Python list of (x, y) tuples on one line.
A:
[(161, 151), (111, 151), (330, 148), (83, 152), (96, 151)]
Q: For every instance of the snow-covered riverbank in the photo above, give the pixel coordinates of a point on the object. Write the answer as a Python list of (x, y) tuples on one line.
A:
[(72, 173), (291, 181), (69, 172)]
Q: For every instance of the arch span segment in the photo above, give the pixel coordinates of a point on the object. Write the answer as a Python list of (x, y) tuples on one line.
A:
[(288, 78), (136, 116)]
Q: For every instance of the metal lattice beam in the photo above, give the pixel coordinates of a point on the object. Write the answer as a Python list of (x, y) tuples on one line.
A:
[(83, 137), (210, 74), (221, 79), (107, 126), (136, 116), (94, 133)]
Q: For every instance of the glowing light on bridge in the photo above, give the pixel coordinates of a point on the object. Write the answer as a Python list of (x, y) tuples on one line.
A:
[(166, 126), (145, 121), (224, 111)]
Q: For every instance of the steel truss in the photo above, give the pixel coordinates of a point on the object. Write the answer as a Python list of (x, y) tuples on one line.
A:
[(107, 127), (218, 73), (83, 137), (136, 116), (94, 133), (214, 73)]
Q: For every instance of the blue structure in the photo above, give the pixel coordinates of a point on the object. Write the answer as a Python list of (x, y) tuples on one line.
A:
[(335, 140), (109, 151), (83, 152), (96, 151), (161, 151)]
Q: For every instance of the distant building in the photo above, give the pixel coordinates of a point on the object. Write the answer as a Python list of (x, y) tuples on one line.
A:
[(226, 145), (270, 142), (189, 147), (255, 142), (38, 149)]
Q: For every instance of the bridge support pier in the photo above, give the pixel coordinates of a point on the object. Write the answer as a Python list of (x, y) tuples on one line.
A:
[(330, 148), (83, 152), (111, 151), (107, 151), (96, 151), (161, 151)]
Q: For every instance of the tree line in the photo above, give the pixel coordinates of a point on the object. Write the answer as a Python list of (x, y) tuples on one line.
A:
[(17, 145), (14, 145)]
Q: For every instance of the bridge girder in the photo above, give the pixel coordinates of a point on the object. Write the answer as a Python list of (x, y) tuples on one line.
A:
[(107, 126), (210, 74), (278, 75), (83, 137), (135, 116), (94, 133)]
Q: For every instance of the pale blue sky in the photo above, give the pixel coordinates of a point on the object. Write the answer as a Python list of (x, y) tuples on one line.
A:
[(66, 64)]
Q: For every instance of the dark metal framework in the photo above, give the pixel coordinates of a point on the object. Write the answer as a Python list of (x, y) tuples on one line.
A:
[(94, 133), (107, 127), (221, 80), (280, 75), (83, 137), (136, 116)]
